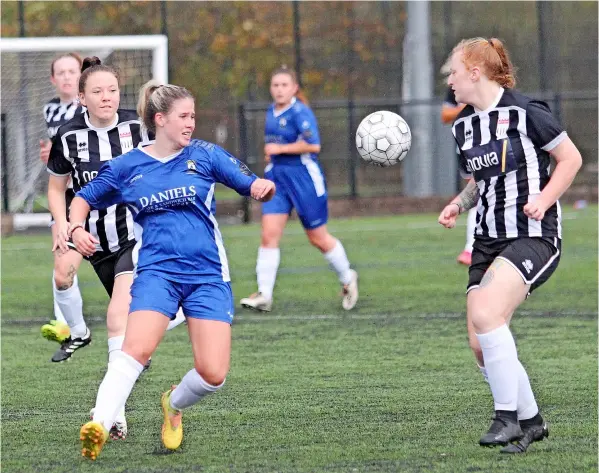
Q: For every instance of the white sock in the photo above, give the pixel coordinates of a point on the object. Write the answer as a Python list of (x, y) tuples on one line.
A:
[(115, 345), (339, 263), (470, 228), (527, 405), (71, 305), (123, 371), (120, 415), (191, 389), (501, 363), (178, 320), (57, 312), (483, 371), (266, 270)]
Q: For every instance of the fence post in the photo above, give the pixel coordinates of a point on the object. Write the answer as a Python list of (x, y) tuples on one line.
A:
[(297, 38), (243, 150), (351, 149), (21, 18), (557, 106), (418, 172), (5, 200), (542, 19), (164, 31)]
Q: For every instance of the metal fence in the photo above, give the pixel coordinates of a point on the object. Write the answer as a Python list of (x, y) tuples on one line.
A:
[(348, 176), (224, 53), (226, 50)]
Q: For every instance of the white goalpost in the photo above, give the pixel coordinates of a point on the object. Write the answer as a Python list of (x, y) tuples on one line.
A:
[(26, 88)]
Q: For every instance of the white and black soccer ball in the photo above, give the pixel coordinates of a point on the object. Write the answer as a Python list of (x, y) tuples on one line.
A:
[(383, 138)]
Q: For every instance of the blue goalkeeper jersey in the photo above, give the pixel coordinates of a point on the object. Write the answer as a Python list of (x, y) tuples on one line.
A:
[(173, 207)]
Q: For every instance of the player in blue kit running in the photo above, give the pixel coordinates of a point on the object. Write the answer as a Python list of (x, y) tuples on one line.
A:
[(292, 144), (179, 256)]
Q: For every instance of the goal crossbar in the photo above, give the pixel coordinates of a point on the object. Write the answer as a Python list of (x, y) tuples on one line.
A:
[(158, 43), (25, 91)]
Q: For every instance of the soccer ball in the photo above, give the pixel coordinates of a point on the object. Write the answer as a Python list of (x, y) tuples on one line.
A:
[(383, 138)]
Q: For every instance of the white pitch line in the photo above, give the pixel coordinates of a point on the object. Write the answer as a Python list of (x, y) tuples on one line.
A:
[(409, 315), (34, 246), (260, 317)]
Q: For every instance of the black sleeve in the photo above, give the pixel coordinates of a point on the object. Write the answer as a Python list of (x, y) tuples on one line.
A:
[(57, 163), (450, 97), (542, 127)]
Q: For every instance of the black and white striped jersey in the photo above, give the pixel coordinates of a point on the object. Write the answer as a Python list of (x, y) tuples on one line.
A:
[(79, 150), (57, 114), (506, 150)]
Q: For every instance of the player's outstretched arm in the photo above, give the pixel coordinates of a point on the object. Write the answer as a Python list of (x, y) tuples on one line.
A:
[(466, 200), (100, 193), (233, 173)]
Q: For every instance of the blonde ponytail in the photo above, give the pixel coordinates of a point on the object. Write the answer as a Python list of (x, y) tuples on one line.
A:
[(158, 98)]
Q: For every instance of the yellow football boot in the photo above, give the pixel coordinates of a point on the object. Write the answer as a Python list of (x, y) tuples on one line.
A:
[(93, 436), (172, 428), (56, 331)]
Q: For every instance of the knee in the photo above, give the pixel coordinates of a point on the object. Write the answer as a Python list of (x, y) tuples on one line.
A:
[(137, 352), (270, 239), (484, 316), (116, 320), (64, 276), (479, 315), (324, 242), (316, 241), (213, 375)]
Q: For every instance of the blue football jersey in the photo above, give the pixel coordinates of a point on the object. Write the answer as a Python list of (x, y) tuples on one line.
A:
[(294, 123), (173, 207)]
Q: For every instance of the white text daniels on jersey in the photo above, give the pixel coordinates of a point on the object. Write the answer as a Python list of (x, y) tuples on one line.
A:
[(168, 198)]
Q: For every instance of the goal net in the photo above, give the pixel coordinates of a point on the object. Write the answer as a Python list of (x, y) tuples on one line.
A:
[(26, 88)]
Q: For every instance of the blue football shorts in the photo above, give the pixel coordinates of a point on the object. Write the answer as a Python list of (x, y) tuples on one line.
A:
[(208, 301), (300, 185)]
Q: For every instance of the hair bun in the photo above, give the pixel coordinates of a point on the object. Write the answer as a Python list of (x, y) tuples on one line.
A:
[(90, 62)]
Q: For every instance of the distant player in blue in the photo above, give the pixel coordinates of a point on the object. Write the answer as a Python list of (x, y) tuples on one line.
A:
[(292, 144), (180, 258)]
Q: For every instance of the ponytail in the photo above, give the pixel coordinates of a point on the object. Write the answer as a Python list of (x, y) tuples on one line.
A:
[(91, 65), (145, 93), (157, 98), (491, 56), (503, 75), (301, 96)]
